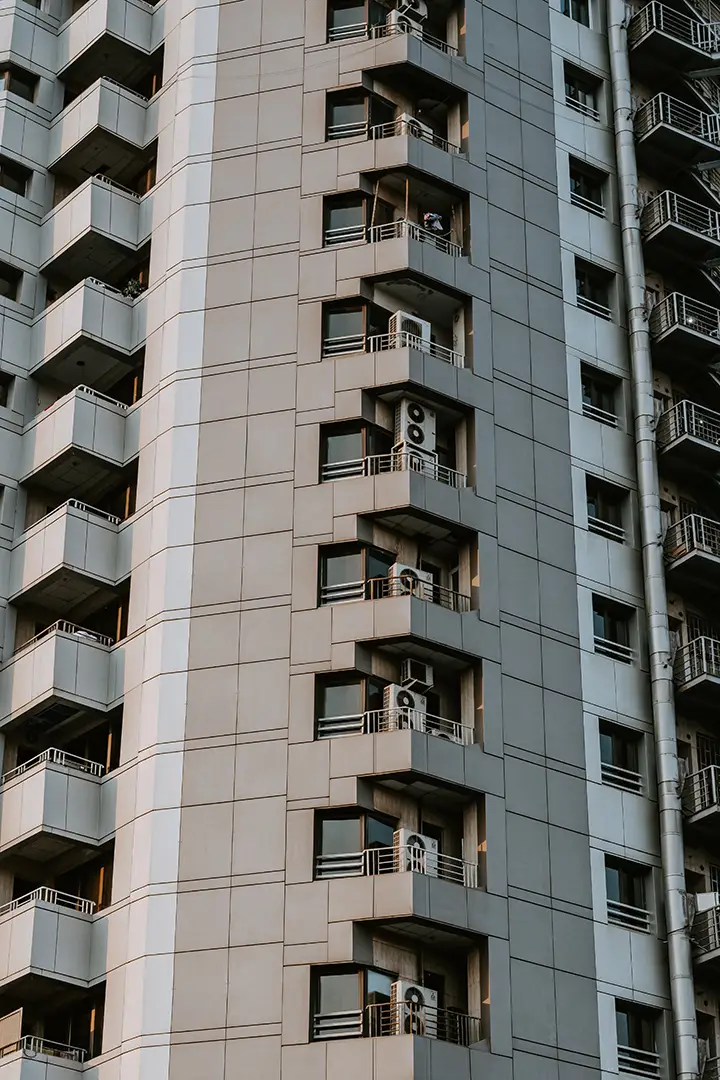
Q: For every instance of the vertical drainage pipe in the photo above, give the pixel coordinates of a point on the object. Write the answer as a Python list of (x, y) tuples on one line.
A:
[(682, 987)]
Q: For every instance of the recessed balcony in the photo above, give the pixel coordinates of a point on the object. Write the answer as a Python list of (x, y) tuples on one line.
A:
[(396, 461), (66, 558), (63, 663), (697, 672), (661, 36), (102, 130), (379, 588), (689, 434), (377, 721), (343, 32), (401, 858), (692, 551), (75, 444), (705, 935), (381, 343), (21, 1059), (381, 249), (97, 231), (669, 130), (684, 329), (672, 224), (399, 1018), (105, 37), (701, 797), (49, 804), (45, 940), (91, 327)]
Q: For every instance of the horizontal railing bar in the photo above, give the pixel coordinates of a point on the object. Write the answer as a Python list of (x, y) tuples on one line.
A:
[(395, 461), (53, 897), (61, 626), (55, 757)]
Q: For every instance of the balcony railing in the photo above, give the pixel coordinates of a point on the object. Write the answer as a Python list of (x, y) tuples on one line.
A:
[(693, 533), (354, 343), (379, 720), (625, 779), (392, 230), (701, 35), (628, 916), (677, 310), (687, 418), (32, 1046), (614, 649), (711, 1069), (586, 303), (397, 860), (699, 658), (416, 129), (55, 757), (396, 461), (379, 588), (67, 628), (701, 790), (51, 896), (705, 930), (390, 29), (606, 529), (670, 208), (75, 504), (584, 203), (663, 109), (582, 102), (593, 412), (638, 1062), (399, 1018), (348, 32)]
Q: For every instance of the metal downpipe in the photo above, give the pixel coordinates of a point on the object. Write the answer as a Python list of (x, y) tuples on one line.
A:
[(682, 987)]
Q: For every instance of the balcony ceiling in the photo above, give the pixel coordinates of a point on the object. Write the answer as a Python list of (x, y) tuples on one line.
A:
[(86, 361), (451, 660), (76, 474), (103, 152), (416, 931), (94, 254), (108, 56), (415, 294), (62, 591)]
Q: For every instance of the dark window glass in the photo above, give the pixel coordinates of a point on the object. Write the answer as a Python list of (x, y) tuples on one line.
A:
[(624, 884), (598, 393), (618, 747), (378, 833), (344, 220), (342, 14), (21, 83), (635, 1028), (340, 699), (339, 992), (13, 177), (342, 568), (343, 445), (339, 836), (579, 10), (379, 987), (374, 689), (346, 115), (592, 285), (379, 562), (586, 184), (344, 322), (610, 623)]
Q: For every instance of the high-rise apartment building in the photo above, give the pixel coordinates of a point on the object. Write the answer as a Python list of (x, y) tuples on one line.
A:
[(359, 539)]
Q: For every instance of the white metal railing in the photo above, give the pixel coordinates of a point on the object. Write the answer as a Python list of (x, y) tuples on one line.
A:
[(345, 234), (348, 130), (55, 757), (701, 790), (708, 89), (32, 1045), (63, 627), (705, 930), (625, 779), (655, 16), (75, 504), (118, 187), (339, 1025), (606, 529), (354, 343), (375, 721), (614, 650), (380, 587), (663, 109), (700, 658), (581, 101), (348, 32), (134, 93), (89, 392), (397, 860), (392, 230), (590, 205), (668, 207), (52, 897), (677, 310), (403, 340), (391, 29), (687, 418), (414, 128), (628, 916), (692, 533), (601, 415), (594, 307), (409, 1018), (638, 1062), (708, 10), (396, 461)]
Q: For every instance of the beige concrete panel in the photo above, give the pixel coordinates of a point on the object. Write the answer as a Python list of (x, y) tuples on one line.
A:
[(260, 769), (277, 218), (221, 453), (296, 1015), (307, 447), (313, 517), (351, 1060), (257, 914), (227, 335), (353, 373), (395, 1057), (188, 1061), (255, 985), (236, 122), (203, 920), (240, 22), (309, 332), (263, 696), (268, 508), (264, 634), (259, 836), (300, 846), (259, 1058), (238, 75), (232, 178), (282, 20), (275, 275), (350, 898), (311, 222), (393, 894), (274, 327), (354, 496), (200, 990), (316, 387), (231, 226), (341, 942), (309, 770), (267, 566), (212, 702), (320, 168), (302, 708), (219, 515), (318, 275), (224, 396), (306, 912), (305, 574), (278, 168), (270, 443), (272, 389), (343, 791), (208, 776), (352, 622), (214, 640), (217, 572), (280, 114), (311, 636), (206, 841), (351, 756)]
